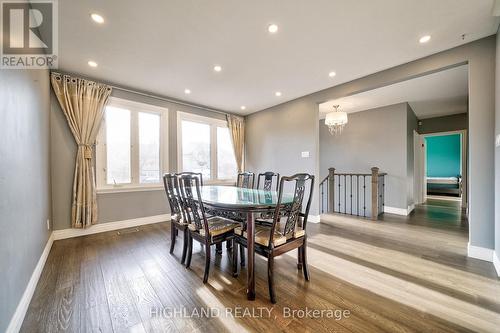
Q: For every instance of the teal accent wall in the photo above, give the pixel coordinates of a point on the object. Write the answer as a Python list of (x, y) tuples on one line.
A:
[(443, 155)]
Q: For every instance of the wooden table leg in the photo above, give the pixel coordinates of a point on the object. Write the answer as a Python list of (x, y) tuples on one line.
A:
[(250, 257)]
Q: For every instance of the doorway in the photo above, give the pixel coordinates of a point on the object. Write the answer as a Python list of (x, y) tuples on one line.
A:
[(441, 167)]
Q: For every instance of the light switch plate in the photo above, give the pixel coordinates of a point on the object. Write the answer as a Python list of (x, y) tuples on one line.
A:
[(497, 140), (305, 154)]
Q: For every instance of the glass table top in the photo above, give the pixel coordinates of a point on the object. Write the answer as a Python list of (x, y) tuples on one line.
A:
[(231, 196)]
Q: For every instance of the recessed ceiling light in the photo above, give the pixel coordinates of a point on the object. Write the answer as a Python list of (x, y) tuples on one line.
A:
[(243, 107), (332, 74), (424, 39), (187, 91), (278, 93), (272, 28), (97, 18), (217, 68), (92, 63)]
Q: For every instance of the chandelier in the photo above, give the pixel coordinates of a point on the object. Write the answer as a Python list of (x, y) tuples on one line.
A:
[(336, 120)]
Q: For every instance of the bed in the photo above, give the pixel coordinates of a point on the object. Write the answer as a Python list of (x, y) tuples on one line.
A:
[(444, 185)]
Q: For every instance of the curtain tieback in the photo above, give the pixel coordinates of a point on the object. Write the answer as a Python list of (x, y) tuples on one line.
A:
[(87, 151)]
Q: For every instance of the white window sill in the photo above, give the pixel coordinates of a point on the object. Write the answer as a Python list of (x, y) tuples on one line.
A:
[(219, 182), (128, 188), (158, 187)]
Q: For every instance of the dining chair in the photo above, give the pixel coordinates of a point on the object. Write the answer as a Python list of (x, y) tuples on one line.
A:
[(177, 217), (196, 174), (267, 180), (267, 185), (275, 240), (207, 231), (245, 180)]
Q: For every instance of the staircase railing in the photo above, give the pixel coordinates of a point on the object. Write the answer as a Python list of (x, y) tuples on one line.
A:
[(347, 193)]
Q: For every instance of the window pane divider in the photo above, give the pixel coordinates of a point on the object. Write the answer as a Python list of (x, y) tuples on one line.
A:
[(101, 147)]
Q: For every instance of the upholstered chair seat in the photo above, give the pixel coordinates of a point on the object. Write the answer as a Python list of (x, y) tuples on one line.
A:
[(263, 233), (217, 226)]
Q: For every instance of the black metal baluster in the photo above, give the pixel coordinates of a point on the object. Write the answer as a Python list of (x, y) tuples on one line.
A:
[(339, 194), (357, 195), (345, 194), (383, 193), (322, 198), (351, 194), (364, 196)]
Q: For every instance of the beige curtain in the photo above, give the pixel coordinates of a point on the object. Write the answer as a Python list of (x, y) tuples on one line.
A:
[(237, 130), (83, 103)]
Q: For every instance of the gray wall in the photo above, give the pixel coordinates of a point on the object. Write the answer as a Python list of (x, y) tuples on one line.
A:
[(450, 123), (375, 137), (112, 206), (276, 138), (480, 55), (411, 126), (24, 181)]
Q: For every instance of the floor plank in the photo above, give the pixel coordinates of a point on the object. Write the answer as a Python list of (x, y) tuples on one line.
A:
[(399, 274)]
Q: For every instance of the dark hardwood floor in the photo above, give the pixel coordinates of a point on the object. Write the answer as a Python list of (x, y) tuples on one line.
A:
[(400, 274)]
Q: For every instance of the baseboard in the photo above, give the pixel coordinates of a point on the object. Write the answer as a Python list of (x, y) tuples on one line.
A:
[(496, 263), (481, 253), (110, 226), (313, 218), (396, 211), (18, 317), (411, 208)]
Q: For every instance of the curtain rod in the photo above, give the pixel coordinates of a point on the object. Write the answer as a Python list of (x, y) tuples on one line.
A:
[(161, 98)]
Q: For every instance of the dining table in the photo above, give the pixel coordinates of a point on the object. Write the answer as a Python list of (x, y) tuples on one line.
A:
[(243, 205)]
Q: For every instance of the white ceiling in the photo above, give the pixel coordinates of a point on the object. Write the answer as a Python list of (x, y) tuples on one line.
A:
[(439, 94), (164, 46)]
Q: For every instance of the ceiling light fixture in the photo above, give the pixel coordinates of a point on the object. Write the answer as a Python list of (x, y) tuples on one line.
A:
[(332, 74), (272, 28), (187, 91), (277, 94), (92, 63), (217, 68), (424, 39), (243, 107), (97, 18), (336, 120)]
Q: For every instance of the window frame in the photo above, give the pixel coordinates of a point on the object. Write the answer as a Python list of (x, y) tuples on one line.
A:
[(101, 148), (213, 123)]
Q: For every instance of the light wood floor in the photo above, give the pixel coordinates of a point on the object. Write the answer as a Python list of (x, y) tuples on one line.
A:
[(395, 275)]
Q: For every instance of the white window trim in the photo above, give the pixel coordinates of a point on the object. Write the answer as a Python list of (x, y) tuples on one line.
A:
[(214, 123), (135, 108)]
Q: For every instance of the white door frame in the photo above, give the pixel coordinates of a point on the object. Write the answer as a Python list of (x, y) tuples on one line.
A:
[(419, 170), (463, 162)]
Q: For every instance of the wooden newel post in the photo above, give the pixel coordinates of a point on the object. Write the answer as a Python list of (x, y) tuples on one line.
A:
[(331, 189), (375, 193)]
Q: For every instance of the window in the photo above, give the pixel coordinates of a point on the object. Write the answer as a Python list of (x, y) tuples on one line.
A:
[(131, 145), (204, 145), (196, 147), (226, 162)]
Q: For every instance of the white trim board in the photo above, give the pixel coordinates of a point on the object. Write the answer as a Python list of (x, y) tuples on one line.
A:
[(18, 317), (314, 218), (496, 263), (109, 226), (479, 252), (399, 211)]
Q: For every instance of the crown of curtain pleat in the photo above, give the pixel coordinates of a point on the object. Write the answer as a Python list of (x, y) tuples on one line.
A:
[(237, 130), (82, 102)]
